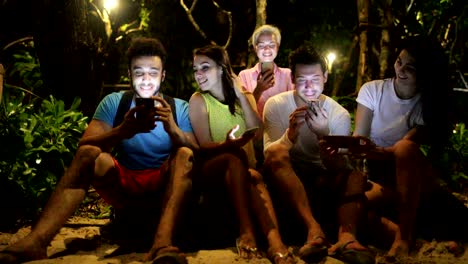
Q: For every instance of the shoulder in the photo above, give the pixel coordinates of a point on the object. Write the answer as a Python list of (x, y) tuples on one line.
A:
[(114, 96), (196, 97), (376, 85), (283, 70), (111, 100), (249, 70), (280, 99), (197, 102), (334, 106)]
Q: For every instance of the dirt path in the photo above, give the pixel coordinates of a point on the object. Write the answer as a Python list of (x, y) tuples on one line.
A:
[(79, 243)]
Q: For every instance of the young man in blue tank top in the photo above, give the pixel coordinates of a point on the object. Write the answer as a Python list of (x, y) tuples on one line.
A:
[(150, 171)]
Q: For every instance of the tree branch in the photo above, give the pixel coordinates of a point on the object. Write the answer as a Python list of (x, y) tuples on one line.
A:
[(189, 11)]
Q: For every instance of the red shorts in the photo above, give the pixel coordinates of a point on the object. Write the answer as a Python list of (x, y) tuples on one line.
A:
[(131, 183)]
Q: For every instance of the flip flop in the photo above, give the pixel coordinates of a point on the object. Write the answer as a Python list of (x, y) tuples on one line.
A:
[(170, 257), (353, 256), (314, 253)]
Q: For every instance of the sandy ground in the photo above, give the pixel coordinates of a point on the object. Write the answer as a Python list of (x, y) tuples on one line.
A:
[(79, 242)]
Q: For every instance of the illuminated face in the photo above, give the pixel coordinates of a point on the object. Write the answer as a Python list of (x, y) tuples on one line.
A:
[(405, 73), (309, 80), (207, 73), (147, 74), (266, 48)]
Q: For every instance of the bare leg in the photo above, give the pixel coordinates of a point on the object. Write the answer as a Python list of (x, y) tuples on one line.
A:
[(350, 212), (263, 206), (229, 172), (179, 185), (279, 167), (411, 173), (66, 198), (237, 180)]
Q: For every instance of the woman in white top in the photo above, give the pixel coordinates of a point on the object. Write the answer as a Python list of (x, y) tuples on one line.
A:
[(398, 115)]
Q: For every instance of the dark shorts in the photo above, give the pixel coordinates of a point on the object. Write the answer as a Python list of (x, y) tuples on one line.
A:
[(132, 183), (382, 172), (324, 198)]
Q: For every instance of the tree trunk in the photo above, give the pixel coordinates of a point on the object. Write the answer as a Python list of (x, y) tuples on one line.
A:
[(260, 21), (387, 19), (69, 57), (363, 16)]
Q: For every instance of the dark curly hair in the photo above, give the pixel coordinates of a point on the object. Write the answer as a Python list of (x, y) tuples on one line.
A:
[(143, 46)]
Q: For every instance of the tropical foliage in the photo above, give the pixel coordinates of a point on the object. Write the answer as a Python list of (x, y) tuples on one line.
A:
[(38, 138)]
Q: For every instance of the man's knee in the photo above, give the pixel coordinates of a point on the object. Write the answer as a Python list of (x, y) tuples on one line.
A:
[(87, 153), (182, 164), (277, 156), (185, 154)]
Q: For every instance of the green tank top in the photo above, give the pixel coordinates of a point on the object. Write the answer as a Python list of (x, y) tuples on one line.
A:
[(221, 121)]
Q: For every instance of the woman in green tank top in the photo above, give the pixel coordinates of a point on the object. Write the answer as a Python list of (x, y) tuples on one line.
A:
[(225, 120)]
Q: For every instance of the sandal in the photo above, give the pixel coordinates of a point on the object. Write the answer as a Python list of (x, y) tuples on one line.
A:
[(354, 256), (169, 255), (314, 253), (246, 252)]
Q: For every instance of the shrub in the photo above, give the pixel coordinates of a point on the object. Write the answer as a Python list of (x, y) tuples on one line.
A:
[(38, 139)]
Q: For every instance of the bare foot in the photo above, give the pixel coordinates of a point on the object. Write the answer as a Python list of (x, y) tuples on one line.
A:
[(281, 256), (22, 251), (247, 247), (399, 249)]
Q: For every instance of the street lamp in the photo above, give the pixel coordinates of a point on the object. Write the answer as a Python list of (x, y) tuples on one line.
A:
[(331, 58), (110, 4)]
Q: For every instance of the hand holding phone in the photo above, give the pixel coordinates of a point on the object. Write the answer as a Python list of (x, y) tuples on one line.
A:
[(266, 65), (148, 103), (354, 145), (249, 132)]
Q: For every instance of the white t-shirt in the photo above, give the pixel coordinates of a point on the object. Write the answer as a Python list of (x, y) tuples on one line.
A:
[(306, 149), (390, 113)]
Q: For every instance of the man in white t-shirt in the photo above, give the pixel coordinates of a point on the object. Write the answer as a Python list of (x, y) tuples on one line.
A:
[(317, 186)]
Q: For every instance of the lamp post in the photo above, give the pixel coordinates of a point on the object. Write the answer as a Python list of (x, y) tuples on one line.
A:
[(108, 6), (331, 58)]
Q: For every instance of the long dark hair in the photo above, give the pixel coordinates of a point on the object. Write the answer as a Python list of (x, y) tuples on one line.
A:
[(432, 81), (220, 56)]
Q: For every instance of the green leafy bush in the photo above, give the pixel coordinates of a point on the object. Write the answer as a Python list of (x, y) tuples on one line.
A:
[(454, 161), (38, 139)]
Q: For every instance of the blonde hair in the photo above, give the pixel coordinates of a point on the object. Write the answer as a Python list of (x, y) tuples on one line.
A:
[(266, 29)]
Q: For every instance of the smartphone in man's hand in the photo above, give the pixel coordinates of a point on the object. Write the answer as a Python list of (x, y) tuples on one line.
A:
[(148, 103)]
